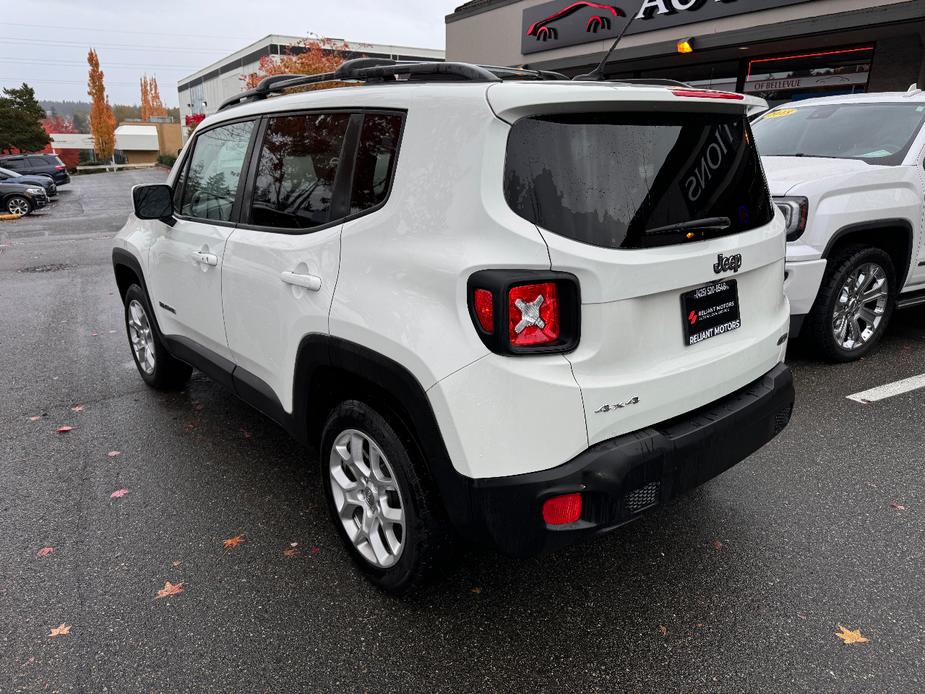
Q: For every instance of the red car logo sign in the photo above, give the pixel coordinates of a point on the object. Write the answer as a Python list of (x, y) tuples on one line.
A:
[(601, 20), (692, 318)]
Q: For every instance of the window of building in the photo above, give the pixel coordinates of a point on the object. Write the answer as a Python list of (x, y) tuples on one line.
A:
[(375, 162), (810, 74), (299, 158), (214, 172)]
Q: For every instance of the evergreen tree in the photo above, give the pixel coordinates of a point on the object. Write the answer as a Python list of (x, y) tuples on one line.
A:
[(21, 121)]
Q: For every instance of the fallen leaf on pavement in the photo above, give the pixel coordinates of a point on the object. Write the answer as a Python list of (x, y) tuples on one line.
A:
[(316, 550), (246, 433), (62, 630), (477, 591), (663, 630), (191, 426), (114, 454), (717, 545), (64, 429), (35, 418), (198, 406), (77, 408), (175, 564), (169, 589), (290, 553), (45, 551), (293, 544), (897, 507), (233, 542), (93, 334), (118, 494), (849, 636)]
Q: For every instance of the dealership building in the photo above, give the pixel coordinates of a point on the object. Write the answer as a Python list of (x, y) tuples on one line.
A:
[(205, 90), (781, 50)]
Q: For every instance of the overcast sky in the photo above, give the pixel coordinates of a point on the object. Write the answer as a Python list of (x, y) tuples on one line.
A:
[(45, 43)]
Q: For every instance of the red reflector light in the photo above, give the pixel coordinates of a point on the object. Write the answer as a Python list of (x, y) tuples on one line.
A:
[(562, 510), (484, 303), (533, 314), (706, 94), (59, 168)]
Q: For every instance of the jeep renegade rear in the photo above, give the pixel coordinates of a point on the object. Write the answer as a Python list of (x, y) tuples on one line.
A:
[(518, 308)]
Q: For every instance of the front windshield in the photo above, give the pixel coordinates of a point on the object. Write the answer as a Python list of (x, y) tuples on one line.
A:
[(875, 133)]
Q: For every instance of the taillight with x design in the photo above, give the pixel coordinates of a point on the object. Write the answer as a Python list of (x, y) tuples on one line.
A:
[(525, 312)]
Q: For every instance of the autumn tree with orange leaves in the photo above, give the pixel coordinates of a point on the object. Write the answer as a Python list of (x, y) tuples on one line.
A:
[(312, 56), (102, 120), (151, 104)]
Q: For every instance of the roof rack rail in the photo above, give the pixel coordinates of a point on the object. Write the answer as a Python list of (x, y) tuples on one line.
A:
[(383, 70)]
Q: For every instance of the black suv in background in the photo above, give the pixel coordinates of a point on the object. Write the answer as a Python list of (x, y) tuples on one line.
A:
[(19, 199), (32, 164), (45, 181)]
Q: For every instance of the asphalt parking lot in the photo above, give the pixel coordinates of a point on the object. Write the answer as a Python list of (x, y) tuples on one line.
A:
[(740, 586)]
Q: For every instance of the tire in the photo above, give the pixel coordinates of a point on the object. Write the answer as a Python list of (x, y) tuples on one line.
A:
[(155, 364), (19, 204), (860, 324), (352, 491)]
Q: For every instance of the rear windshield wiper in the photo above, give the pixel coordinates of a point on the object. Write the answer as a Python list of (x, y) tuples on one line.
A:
[(705, 224)]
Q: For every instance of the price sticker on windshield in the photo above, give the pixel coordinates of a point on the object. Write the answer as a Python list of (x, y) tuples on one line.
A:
[(781, 112)]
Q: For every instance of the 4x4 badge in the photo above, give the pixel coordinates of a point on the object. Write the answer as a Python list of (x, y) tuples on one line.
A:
[(616, 406), (733, 263)]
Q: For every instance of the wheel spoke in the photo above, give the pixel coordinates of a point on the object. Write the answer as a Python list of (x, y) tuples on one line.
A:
[(868, 316), (375, 540)]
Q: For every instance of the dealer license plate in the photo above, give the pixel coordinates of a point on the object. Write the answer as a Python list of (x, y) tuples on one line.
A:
[(710, 311)]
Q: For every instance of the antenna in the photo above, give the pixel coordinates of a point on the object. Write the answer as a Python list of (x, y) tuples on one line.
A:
[(597, 74)]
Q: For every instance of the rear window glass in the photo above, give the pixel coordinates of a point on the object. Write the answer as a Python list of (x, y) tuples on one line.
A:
[(297, 169), (375, 161), (633, 180)]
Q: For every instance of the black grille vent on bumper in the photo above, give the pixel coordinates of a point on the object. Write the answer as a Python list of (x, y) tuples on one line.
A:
[(781, 419), (644, 497)]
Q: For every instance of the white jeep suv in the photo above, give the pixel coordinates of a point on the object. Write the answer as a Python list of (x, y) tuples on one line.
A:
[(514, 308), (849, 174)]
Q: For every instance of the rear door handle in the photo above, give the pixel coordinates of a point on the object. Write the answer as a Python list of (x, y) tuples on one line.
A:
[(209, 259), (309, 282)]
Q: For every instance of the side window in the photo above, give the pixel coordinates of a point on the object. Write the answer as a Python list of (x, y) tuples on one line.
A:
[(214, 172), (14, 164), (375, 165), (298, 164)]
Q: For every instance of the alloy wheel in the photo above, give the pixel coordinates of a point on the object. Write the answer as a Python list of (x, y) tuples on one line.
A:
[(18, 206), (860, 306), (367, 498), (141, 335)]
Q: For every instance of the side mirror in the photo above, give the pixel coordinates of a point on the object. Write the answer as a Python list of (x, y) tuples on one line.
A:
[(154, 202)]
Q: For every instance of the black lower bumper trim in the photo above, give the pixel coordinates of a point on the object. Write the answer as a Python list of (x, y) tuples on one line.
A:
[(625, 476)]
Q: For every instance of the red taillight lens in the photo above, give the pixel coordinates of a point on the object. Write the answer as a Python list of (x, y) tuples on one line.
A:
[(706, 94), (562, 510), (533, 314), (484, 303), (59, 168)]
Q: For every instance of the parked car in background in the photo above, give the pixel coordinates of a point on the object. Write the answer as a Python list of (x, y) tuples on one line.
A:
[(32, 164), (21, 199), (43, 180), (513, 334), (848, 173)]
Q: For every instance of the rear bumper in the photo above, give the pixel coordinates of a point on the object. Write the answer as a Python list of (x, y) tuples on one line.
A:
[(621, 478)]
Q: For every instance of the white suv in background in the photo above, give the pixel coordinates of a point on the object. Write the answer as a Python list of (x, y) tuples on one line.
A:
[(507, 305), (848, 172)]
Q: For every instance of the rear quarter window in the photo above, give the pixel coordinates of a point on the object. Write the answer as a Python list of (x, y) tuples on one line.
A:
[(622, 180)]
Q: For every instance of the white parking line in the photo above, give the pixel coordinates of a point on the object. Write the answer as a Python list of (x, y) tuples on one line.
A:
[(889, 390)]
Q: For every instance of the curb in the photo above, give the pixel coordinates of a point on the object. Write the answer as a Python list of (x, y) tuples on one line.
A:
[(9, 217)]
